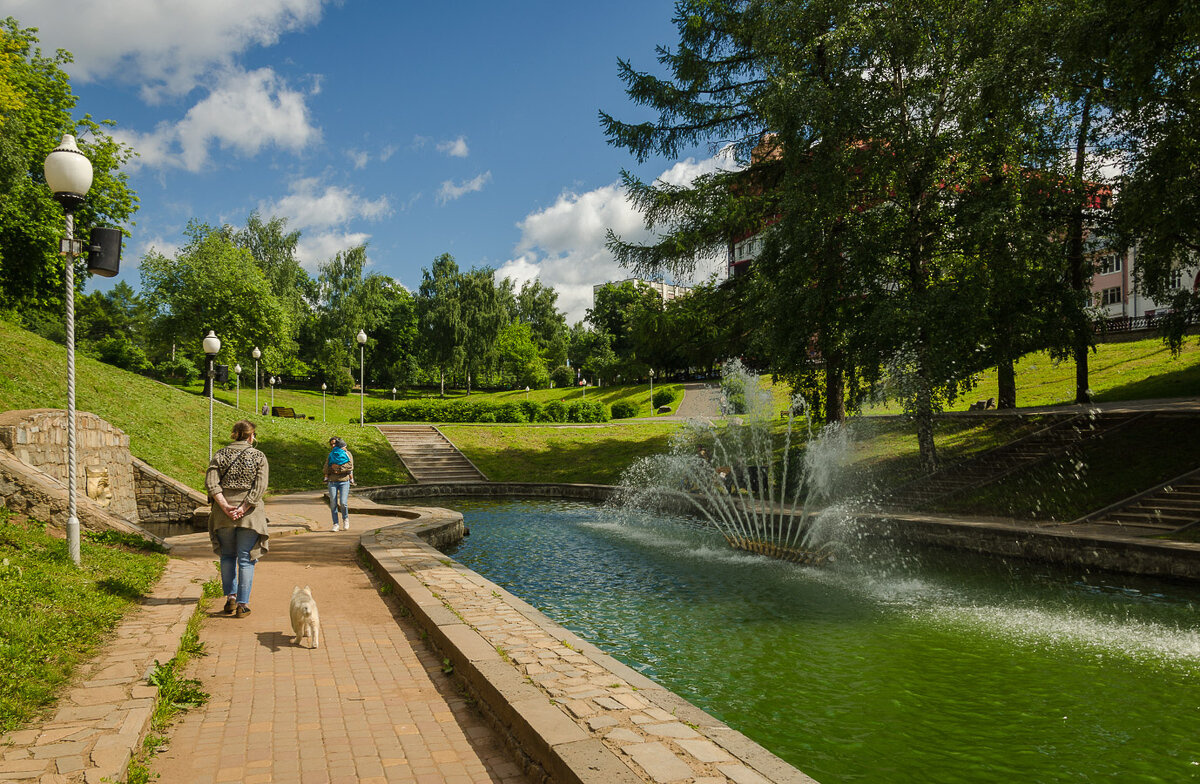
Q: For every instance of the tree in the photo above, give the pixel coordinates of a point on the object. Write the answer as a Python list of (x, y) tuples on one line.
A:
[(483, 314), (440, 316), (849, 124), (274, 250), (213, 284), (537, 306), (349, 301), (35, 111)]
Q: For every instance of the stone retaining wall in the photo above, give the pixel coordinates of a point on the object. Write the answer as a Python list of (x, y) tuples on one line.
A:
[(162, 499), (38, 438), (489, 489)]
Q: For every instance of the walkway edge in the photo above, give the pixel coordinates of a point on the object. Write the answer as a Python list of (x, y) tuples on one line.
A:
[(99, 723), (558, 737)]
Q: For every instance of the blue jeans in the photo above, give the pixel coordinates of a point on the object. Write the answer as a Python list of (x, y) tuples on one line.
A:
[(237, 570), (339, 494)]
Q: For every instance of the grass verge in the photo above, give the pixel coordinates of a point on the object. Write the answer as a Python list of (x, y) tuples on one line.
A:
[(54, 615), (175, 693)]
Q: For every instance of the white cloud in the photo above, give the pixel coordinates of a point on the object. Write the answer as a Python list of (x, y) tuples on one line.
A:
[(563, 245), (314, 250), (387, 152), (456, 148), (177, 45), (323, 214), (449, 191), (358, 158), (311, 206), (245, 112)]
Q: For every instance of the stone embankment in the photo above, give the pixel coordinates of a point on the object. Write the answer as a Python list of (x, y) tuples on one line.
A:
[(570, 712)]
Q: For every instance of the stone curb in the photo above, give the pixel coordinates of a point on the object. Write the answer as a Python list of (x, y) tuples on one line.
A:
[(569, 711), (99, 724)]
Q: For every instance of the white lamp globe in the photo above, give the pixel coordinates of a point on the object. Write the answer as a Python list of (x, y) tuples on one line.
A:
[(362, 337), (68, 172), (212, 343)]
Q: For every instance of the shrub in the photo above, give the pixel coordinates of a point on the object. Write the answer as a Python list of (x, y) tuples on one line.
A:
[(623, 409), (339, 380), (177, 368), (663, 397), (562, 376), (555, 411), (587, 411)]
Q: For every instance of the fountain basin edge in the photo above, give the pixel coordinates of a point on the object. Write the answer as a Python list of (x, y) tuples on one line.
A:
[(547, 735)]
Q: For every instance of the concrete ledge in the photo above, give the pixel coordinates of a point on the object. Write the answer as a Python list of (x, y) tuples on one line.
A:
[(570, 712)]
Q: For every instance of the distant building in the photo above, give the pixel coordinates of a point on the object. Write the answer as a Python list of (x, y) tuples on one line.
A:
[(1114, 284), (668, 291)]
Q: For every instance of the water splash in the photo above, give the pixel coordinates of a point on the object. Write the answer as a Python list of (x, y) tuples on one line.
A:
[(745, 475)]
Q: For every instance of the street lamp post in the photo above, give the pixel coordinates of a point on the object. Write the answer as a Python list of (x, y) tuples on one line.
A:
[(69, 175), (362, 376), (237, 372), (272, 383), (393, 394), (651, 391), (323, 387), (212, 344), (256, 354)]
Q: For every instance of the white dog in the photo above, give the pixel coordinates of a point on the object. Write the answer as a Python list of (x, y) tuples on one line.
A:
[(305, 621)]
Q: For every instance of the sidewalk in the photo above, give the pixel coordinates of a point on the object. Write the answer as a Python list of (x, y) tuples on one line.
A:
[(369, 705)]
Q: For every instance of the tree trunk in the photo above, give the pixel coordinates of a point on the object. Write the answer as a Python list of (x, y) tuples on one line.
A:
[(1006, 382), (442, 380), (835, 391), (924, 415), (1075, 258)]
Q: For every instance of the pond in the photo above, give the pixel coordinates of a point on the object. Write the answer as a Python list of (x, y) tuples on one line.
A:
[(929, 668)]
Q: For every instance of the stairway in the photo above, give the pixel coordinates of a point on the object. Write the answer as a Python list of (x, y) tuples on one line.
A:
[(995, 464), (1170, 507), (429, 456)]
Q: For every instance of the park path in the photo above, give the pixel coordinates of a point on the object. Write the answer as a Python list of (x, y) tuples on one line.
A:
[(370, 705)]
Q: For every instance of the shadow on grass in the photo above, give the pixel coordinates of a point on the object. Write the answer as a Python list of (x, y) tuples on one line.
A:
[(296, 463), (1181, 382)]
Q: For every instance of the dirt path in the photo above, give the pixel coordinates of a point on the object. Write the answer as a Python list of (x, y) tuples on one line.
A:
[(369, 705)]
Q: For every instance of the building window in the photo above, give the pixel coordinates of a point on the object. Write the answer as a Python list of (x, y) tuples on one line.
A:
[(1111, 296), (1110, 264), (1176, 280)]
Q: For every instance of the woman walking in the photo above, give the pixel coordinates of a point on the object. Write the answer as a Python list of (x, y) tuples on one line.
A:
[(237, 520), (339, 473)]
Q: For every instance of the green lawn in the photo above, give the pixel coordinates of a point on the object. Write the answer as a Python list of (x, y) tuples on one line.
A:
[(1136, 370), (168, 428), (54, 615), (559, 453)]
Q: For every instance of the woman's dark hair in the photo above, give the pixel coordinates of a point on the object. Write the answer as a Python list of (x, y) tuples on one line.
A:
[(338, 443), (242, 429)]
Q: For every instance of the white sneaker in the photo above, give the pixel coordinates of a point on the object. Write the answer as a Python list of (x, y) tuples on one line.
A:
[(335, 526), (346, 524)]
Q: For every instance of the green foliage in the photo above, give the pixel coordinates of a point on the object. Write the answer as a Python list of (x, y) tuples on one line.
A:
[(624, 410), (120, 351), (53, 615), (562, 376), (177, 369), (466, 410), (663, 397), (36, 104)]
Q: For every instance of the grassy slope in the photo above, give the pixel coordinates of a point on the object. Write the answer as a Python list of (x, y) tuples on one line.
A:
[(168, 428), (1137, 370), (550, 453)]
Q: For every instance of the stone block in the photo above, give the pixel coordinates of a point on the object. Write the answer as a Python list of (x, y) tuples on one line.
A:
[(659, 762)]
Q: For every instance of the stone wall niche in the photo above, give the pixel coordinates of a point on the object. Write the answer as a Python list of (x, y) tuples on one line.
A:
[(104, 467)]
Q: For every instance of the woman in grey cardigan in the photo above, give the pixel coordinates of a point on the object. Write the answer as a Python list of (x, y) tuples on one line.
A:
[(237, 520)]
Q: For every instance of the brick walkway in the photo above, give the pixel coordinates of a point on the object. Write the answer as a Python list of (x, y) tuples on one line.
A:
[(369, 705)]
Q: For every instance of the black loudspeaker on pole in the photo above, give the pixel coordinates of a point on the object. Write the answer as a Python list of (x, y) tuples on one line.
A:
[(104, 252)]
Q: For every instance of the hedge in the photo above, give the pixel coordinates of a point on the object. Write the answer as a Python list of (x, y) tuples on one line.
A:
[(460, 410), (623, 409)]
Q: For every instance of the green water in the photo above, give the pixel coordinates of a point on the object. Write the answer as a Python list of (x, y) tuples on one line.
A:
[(905, 669)]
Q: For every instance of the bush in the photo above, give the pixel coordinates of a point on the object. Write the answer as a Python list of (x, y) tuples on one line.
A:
[(562, 376), (433, 410), (663, 397), (339, 380), (177, 368), (623, 409)]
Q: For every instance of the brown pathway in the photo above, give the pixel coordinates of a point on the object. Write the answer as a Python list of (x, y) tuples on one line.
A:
[(369, 705)]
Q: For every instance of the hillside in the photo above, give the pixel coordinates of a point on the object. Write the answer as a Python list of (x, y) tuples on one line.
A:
[(168, 428)]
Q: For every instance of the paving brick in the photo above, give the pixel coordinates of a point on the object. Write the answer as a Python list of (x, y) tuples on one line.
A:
[(659, 762)]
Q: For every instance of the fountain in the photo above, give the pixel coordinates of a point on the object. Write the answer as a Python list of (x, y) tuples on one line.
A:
[(742, 475)]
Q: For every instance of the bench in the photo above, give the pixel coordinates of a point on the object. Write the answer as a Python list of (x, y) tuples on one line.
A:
[(286, 413), (983, 405)]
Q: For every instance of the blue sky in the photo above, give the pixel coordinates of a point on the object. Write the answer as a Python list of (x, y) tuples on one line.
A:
[(461, 127)]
